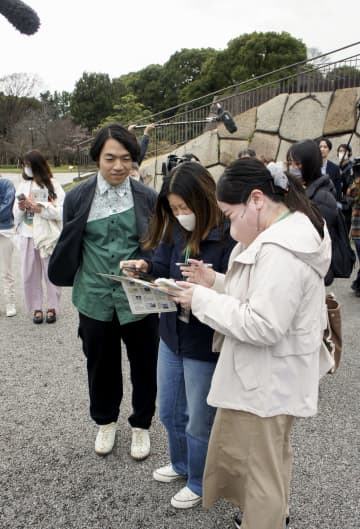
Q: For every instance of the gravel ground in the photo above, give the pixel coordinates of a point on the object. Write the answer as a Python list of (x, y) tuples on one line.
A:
[(51, 478)]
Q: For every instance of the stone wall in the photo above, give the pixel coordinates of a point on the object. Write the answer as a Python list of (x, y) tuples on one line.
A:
[(271, 128)]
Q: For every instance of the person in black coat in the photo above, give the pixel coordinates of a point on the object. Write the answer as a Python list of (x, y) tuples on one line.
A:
[(105, 219), (344, 153), (330, 168), (304, 160)]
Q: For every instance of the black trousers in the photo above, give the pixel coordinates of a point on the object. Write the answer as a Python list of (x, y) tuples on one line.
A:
[(102, 348)]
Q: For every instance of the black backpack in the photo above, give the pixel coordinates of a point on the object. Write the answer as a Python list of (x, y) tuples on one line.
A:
[(343, 256)]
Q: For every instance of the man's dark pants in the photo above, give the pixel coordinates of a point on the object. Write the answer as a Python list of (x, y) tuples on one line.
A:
[(102, 348)]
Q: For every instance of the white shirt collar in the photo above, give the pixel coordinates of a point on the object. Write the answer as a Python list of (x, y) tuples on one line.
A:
[(121, 189)]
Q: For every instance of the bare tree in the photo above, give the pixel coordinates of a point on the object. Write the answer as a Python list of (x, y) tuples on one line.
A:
[(21, 85)]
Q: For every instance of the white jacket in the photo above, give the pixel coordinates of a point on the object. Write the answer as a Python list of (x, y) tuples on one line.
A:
[(270, 309), (47, 224)]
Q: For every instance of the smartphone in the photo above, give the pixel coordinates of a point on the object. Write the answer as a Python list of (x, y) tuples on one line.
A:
[(142, 275), (21, 197)]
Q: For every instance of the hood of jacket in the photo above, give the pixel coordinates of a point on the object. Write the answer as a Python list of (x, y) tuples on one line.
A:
[(295, 234), (324, 183)]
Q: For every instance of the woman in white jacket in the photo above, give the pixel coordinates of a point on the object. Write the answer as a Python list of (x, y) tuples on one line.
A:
[(38, 218), (269, 313)]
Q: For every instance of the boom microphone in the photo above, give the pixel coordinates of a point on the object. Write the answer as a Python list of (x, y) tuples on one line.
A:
[(20, 15), (222, 115)]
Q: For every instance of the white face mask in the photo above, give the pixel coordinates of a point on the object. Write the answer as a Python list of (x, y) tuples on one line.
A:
[(187, 221), (295, 172), (341, 155), (28, 172)]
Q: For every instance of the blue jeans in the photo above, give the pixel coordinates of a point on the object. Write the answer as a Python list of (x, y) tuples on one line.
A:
[(183, 385)]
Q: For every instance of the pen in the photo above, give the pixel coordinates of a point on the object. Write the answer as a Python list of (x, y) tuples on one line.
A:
[(187, 254), (208, 265)]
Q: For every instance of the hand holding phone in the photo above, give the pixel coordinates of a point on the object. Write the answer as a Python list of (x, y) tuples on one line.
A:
[(135, 272), (21, 196)]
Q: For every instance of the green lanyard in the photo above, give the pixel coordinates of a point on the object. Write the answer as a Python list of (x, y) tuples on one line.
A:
[(187, 255), (284, 215)]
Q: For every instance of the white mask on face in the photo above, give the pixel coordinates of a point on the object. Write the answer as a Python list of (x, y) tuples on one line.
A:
[(187, 221), (28, 172), (295, 172), (341, 155)]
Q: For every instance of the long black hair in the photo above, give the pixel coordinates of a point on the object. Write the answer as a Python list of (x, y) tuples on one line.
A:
[(306, 152), (41, 171), (195, 185), (243, 176)]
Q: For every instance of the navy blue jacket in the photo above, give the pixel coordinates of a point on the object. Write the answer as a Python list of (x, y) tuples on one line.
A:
[(333, 171), (193, 339), (7, 197)]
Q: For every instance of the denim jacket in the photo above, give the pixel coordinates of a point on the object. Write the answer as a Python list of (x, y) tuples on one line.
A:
[(7, 198)]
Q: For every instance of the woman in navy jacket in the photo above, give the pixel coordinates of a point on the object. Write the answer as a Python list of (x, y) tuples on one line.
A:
[(187, 224)]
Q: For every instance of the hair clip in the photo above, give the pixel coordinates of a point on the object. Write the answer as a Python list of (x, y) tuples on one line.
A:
[(279, 177)]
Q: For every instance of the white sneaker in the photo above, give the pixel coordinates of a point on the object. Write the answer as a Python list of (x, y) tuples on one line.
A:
[(166, 474), (185, 499), (140, 444), (10, 310), (105, 439)]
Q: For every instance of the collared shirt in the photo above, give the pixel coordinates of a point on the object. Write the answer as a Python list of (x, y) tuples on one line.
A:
[(109, 199), (324, 167)]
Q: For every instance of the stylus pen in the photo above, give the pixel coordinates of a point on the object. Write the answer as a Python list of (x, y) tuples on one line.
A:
[(208, 265)]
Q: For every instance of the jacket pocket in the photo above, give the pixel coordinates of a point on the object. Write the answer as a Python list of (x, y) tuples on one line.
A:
[(297, 343), (246, 367)]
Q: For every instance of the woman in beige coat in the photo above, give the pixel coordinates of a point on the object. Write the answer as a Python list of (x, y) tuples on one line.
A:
[(269, 313)]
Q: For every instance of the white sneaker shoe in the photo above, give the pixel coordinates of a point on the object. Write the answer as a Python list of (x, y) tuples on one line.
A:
[(105, 439), (140, 444), (185, 499), (166, 474), (10, 310)]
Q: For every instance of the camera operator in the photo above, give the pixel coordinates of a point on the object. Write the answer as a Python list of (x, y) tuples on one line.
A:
[(174, 161)]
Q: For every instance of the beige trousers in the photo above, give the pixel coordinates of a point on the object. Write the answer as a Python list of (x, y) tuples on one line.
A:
[(249, 462), (6, 268)]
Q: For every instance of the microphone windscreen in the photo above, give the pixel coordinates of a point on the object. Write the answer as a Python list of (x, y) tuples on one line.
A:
[(228, 121), (20, 15)]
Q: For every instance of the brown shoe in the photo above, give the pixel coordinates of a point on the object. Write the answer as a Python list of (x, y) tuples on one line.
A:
[(38, 316), (51, 316)]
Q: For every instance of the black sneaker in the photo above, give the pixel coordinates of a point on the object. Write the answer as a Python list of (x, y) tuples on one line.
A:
[(238, 520)]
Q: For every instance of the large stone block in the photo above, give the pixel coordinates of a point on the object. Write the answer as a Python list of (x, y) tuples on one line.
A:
[(265, 145), (269, 114), (229, 150), (304, 116), (245, 123), (151, 171), (205, 147), (216, 171), (283, 149), (341, 115), (358, 111)]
